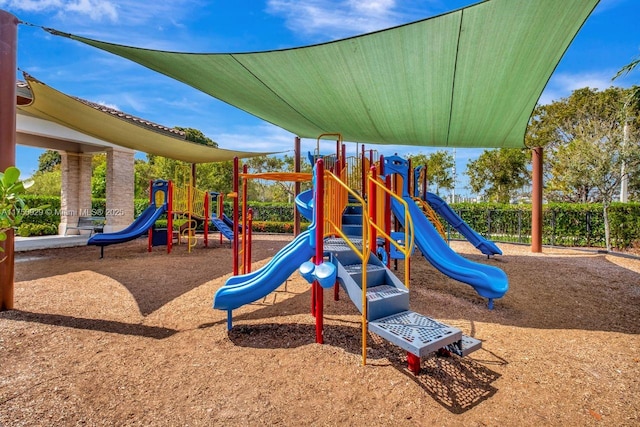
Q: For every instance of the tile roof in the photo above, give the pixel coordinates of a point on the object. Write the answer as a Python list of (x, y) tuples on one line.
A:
[(23, 91)]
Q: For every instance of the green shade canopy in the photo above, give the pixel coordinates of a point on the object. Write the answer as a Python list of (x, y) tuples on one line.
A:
[(469, 78)]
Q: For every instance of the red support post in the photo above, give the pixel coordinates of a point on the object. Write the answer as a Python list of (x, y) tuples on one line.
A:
[(170, 217), (206, 219), (236, 217), (319, 255), (8, 55), (296, 186), (364, 173), (372, 210), (220, 210), (387, 217), (149, 233), (410, 177), (413, 363), (247, 238), (425, 182), (536, 200), (245, 184)]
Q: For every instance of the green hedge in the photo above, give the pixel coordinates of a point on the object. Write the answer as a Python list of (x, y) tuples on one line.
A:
[(564, 224), (262, 211), (29, 229)]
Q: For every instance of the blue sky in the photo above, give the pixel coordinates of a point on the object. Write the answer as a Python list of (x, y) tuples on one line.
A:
[(609, 39)]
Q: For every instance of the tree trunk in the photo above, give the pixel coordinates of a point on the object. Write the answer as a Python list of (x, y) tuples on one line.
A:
[(607, 232)]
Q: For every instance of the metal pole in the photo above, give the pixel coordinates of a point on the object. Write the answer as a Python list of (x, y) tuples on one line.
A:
[(8, 49), (296, 187), (319, 254), (453, 191), (536, 201), (236, 216), (624, 176)]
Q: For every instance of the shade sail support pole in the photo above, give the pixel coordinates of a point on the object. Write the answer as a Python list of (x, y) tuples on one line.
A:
[(536, 200), (8, 59)]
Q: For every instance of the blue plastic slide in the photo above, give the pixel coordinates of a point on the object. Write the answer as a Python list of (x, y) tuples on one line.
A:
[(485, 246), (137, 228), (243, 278), (229, 222), (488, 281), (304, 202), (222, 227), (245, 289)]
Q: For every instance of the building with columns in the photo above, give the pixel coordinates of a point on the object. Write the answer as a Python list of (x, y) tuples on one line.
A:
[(79, 129), (77, 150)]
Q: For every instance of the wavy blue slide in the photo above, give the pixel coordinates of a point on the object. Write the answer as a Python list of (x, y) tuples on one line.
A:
[(485, 246), (245, 289), (137, 228), (304, 202), (488, 281)]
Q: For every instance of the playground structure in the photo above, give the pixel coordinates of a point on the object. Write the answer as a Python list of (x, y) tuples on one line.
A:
[(346, 228), (160, 202), (180, 203), (243, 215)]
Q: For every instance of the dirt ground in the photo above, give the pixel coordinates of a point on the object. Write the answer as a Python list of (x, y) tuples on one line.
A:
[(132, 340)]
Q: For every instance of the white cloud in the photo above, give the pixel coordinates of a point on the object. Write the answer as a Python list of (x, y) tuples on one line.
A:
[(336, 19), (562, 84), (96, 10), (595, 80), (108, 105), (261, 138)]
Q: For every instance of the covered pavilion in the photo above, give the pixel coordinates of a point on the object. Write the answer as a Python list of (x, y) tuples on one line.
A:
[(78, 129)]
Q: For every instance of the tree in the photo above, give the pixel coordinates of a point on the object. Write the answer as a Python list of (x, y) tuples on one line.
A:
[(194, 135), (12, 206), (585, 145), (99, 176), (261, 189), (439, 168), (274, 190), (570, 180), (46, 183), (499, 173), (635, 90), (48, 161)]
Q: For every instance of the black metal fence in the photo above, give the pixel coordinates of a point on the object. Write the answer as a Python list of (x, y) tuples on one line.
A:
[(562, 225)]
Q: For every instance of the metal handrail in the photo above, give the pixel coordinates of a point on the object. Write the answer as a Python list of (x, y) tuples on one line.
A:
[(406, 250), (364, 254)]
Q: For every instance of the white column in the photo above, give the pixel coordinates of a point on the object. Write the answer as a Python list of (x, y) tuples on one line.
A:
[(75, 193), (120, 189)]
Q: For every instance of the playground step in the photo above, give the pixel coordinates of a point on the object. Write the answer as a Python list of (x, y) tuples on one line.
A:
[(386, 300), (353, 208), (466, 346), (338, 248), (384, 296), (375, 274), (352, 219), (337, 244), (352, 229), (415, 333)]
